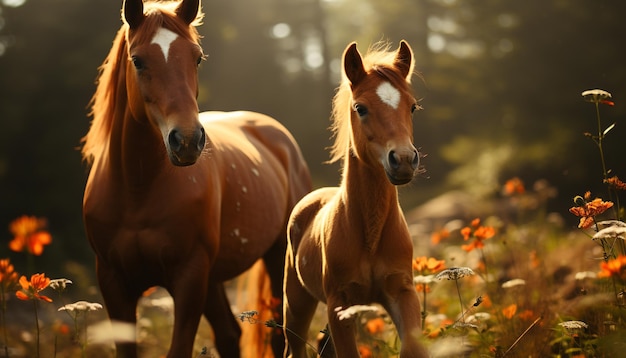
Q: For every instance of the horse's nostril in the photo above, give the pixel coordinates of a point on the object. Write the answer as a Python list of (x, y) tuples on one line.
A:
[(394, 161), (175, 140), (416, 159), (202, 139)]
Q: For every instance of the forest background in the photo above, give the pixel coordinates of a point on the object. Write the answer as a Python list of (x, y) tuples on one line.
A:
[(501, 92)]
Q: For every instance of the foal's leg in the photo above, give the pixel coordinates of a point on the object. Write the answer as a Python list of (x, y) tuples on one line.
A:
[(298, 307), (342, 331), (121, 305), (274, 260), (225, 327), (403, 306), (189, 290)]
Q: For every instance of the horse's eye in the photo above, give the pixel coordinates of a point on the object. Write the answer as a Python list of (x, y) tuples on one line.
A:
[(137, 63), (199, 60), (360, 109)]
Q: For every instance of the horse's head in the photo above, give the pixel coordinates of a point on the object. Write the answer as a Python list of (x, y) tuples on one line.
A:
[(382, 108), (161, 78)]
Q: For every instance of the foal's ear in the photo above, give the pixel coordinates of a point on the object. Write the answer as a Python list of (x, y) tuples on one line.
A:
[(188, 10), (404, 60), (132, 10), (353, 64)]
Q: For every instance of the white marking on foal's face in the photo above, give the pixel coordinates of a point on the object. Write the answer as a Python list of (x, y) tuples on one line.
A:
[(388, 94), (164, 39)]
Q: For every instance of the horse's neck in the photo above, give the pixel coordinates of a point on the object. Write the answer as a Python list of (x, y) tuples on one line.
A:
[(371, 199), (136, 151)]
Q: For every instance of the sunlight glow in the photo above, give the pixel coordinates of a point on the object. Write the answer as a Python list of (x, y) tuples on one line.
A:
[(13, 3), (281, 30)]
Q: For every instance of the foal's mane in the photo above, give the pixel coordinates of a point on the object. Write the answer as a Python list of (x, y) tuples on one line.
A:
[(108, 101), (379, 59)]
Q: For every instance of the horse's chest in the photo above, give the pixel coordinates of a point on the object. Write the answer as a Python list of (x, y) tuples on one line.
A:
[(149, 231)]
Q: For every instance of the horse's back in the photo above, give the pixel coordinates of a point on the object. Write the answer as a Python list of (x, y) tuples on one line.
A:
[(264, 133), (263, 176)]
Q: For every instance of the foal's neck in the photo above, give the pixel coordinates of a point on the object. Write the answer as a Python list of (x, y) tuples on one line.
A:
[(370, 199)]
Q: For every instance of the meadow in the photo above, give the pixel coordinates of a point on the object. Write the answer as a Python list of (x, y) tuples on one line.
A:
[(513, 281)]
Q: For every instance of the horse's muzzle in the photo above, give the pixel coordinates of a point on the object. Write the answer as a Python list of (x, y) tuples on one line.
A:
[(184, 148)]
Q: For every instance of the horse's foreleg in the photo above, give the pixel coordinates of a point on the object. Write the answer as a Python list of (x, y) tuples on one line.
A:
[(403, 306), (298, 307), (274, 260), (225, 327), (188, 288), (121, 305)]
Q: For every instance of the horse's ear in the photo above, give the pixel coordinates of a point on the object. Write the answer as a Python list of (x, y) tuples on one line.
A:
[(132, 10), (188, 10), (404, 60), (353, 64)]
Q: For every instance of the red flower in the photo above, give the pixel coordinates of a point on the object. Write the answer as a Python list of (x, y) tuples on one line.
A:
[(29, 234), (30, 290)]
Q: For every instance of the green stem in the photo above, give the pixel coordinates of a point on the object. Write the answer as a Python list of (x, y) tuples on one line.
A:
[(458, 290), (424, 310), (4, 325), (36, 326), (600, 138)]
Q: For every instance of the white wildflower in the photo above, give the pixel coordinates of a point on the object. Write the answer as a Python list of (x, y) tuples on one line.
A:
[(60, 284), (573, 325), (81, 306), (585, 274), (596, 95), (353, 310), (454, 273), (424, 279), (513, 283)]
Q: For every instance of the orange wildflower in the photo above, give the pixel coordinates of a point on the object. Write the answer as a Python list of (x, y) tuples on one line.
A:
[(8, 276), (30, 290), (614, 268), (587, 210), (614, 182), (509, 311), (29, 234), (365, 351), (428, 265), (375, 325), (513, 186), (478, 232), (437, 236), (526, 315)]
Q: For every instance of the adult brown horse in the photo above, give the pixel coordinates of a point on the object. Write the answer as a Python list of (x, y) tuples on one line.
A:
[(350, 245), (176, 198)]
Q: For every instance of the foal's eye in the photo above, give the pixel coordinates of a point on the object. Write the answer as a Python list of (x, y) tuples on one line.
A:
[(360, 109), (415, 107), (199, 60), (137, 63)]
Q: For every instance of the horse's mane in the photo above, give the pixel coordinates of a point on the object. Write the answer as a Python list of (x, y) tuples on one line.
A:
[(379, 59), (104, 103)]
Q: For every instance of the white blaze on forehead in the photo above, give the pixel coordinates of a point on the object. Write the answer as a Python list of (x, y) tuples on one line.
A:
[(389, 94), (164, 39)]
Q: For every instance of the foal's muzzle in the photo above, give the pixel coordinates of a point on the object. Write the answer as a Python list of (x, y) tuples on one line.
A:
[(401, 165)]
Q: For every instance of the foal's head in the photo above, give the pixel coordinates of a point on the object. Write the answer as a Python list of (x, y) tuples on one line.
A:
[(381, 107), (161, 80)]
